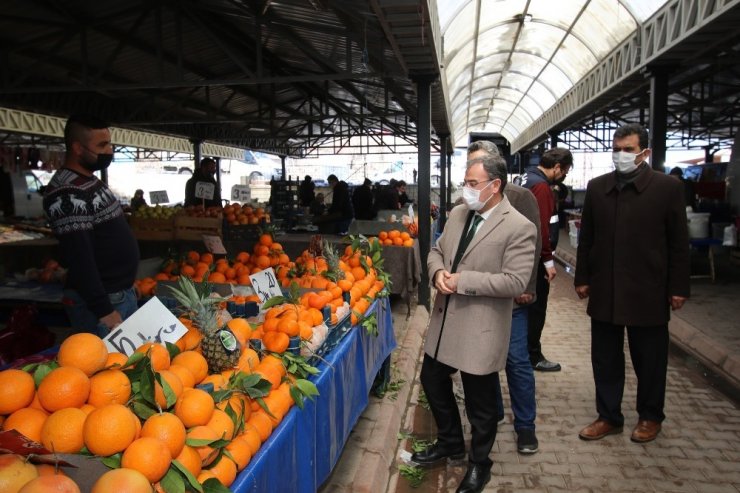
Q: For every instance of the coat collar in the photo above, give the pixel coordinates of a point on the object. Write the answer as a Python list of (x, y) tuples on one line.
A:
[(497, 216), (640, 182)]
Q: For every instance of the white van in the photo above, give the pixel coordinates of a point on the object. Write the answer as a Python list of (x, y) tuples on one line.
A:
[(27, 194)]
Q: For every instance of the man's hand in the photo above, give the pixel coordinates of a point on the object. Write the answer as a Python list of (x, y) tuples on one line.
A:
[(677, 302), (524, 298), (550, 273), (582, 291), (445, 282), (111, 320)]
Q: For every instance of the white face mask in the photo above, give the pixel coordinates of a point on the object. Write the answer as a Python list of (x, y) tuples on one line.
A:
[(471, 197), (624, 162)]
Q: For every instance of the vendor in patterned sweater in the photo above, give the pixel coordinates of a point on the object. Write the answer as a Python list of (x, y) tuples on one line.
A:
[(95, 240)]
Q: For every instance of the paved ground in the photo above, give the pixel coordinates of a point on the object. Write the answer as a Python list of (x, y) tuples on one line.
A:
[(698, 451)]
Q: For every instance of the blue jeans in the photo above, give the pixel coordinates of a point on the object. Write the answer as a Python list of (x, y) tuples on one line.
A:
[(83, 320), (519, 374)]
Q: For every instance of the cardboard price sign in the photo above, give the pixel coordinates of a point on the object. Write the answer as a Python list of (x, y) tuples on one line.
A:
[(241, 193), (214, 244), (265, 284), (159, 197), (150, 323), (204, 190)]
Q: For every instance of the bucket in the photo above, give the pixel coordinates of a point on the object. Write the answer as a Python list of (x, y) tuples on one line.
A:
[(573, 239), (574, 225), (698, 224)]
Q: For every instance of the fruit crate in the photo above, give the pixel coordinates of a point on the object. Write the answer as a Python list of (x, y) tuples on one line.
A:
[(153, 229), (240, 232), (193, 228)]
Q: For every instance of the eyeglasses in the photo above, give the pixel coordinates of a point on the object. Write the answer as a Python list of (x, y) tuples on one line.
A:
[(474, 183)]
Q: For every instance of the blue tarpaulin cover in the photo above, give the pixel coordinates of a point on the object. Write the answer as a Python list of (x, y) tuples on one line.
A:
[(301, 452)]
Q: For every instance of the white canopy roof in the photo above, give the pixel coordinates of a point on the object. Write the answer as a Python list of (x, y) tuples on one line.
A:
[(507, 61)]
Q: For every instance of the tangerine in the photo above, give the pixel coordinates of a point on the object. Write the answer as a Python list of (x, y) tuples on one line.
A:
[(110, 429), (63, 387), (17, 390), (168, 428), (222, 424), (85, 351), (224, 470), (149, 456), (26, 421), (194, 362), (194, 407), (206, 452), (63, 431), (190, 458), (109, 387), (157, 353)]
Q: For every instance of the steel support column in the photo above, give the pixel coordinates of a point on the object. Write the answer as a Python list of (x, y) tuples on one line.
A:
[(449, 181), (554, 138), (658, 116), (282, 167), (423, 131), (444, 143)]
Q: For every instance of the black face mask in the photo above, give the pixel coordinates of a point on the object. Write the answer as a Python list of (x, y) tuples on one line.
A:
[(101, 162)]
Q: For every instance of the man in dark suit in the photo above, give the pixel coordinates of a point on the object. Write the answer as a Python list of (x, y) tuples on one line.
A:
[(483, 259), (633, 266)]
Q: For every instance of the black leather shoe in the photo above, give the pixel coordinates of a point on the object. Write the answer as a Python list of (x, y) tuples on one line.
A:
[(545, 365), (434, 453), (475, 479)]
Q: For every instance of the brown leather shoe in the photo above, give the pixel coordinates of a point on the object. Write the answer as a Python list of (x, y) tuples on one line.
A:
[(598, 430), (645, 431)]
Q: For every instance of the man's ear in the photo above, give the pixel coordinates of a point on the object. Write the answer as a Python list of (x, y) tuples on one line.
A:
[(648, 152)]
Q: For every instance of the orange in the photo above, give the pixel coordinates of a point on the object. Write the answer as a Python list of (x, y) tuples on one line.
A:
[(168, 428), (266, 239), (190, 458), (110, 429), (206, 452), (116, 359), (205, 475), (175, 384), (224, 470), (17, 390), (88, 408), (187, 379), (358, 273), (316, 316), (217, 277), (157, 353), (383, 235), (248, 360), (26, 421), (288, 326), (276, 341), (194, 362), (222, 424), (150, 456), (217, 380), (15, 471), (85, 351), (194, 407), (241, 452), (241, 330), (35, 403), (109, 387), (122, 481), (191, 339), (252, 437), (408, 243), (62, 431), (65, 386), (270, 324), (240, 404), (50, 484), (206, 258), (262, 423)]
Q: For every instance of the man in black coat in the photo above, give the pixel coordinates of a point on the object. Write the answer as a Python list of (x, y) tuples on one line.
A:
[(362, 201), (633, 266)]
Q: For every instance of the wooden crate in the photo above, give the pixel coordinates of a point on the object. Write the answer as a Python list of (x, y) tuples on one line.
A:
[(152, 229), (193, 228)]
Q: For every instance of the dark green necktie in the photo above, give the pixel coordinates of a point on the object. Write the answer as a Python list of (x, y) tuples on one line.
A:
[(477, 219)]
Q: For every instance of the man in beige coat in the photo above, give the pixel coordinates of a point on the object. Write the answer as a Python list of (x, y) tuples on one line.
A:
[(483, 260)]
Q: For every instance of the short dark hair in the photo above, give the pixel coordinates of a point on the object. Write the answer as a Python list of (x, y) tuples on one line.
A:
[(307, 177), (634, 129), (676, 171), (557, 155), (484, 145), (400, 183), (77, 125), (206, 161), (494, 166), (332, 178)]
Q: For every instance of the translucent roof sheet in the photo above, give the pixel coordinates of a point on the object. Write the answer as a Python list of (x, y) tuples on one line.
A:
[(507, 61)]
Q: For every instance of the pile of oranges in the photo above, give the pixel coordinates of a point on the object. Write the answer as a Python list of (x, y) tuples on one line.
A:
[(395, 237), (87, 399), (236, 214)]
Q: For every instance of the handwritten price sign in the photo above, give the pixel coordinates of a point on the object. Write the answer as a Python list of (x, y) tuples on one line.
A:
[(150, 323), (265, 284), (204, 190), (159, 197)]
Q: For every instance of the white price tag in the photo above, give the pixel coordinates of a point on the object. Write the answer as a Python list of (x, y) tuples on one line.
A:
[(214, 244), (204, 190), (241, 193), (150, 323), (265, 284), (159, 197)]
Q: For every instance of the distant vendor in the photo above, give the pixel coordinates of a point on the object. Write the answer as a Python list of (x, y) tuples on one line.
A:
[(205, 174)]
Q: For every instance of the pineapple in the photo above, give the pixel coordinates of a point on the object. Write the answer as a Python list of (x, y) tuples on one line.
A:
[(332, 261), (219, 345)]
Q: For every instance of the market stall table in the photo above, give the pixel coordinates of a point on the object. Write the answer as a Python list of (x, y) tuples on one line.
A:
[(304, 448)]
